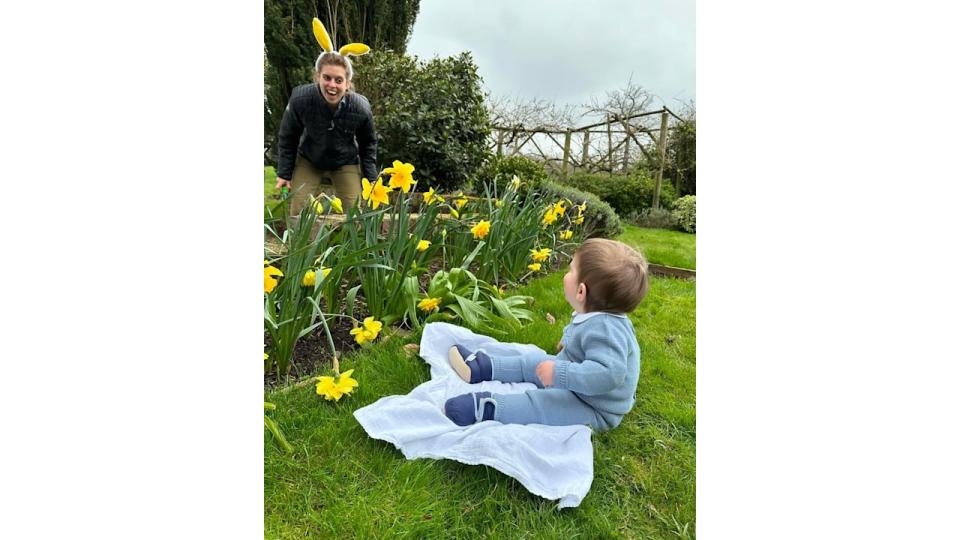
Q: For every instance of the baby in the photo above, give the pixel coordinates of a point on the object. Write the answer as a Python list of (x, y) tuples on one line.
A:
[(594, 378)]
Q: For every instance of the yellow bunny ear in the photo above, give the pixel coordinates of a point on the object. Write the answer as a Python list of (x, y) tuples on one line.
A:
[(356, 49), (321, 34)]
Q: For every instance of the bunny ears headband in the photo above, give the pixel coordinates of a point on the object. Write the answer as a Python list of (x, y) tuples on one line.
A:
[(355, 49)]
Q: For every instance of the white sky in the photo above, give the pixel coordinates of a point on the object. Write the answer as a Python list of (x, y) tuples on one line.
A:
[(566, 51)]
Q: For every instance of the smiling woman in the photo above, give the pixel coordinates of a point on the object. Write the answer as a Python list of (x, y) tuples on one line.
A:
[(327, 135)]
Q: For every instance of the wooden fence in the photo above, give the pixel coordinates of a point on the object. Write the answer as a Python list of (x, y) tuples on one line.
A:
[(651, 143)]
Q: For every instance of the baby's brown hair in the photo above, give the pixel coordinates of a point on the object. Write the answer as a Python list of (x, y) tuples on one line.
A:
[(615, 275)]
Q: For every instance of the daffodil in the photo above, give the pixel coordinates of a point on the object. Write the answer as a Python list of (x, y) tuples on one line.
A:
[(480, 230), (324, 271), (460, 202), (582, 208), (337, 205), (401, 175), (423, 245), (566, 235), (429, 304), (309, 279), (376, 194), (534, 267), (431, 196), (516, 182), (269, 277), (549, 217), (540, 255), (334, 388), (266, 356), (346, 383), (559, 209), (498, 203), (454, 213), (367, 332), (578, 221), (328, 389)]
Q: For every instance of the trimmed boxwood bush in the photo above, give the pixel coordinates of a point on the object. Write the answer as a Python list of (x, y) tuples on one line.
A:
[(502, 169), (601, 221), (625, 193)]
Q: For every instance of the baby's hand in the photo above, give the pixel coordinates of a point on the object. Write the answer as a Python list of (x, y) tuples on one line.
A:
[(545, 372)]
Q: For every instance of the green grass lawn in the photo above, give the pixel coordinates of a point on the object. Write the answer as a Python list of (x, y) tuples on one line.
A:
[(270, 193), (660, 246), (340, 483)]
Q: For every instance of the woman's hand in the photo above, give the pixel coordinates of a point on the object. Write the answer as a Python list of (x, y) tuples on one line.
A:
[(281, 183), (545, 372)]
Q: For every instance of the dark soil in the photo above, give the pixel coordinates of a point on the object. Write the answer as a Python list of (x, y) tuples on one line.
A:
[(312, 354)]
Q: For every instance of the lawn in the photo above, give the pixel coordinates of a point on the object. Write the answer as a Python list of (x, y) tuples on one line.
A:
[(660, 246), (339, 483)]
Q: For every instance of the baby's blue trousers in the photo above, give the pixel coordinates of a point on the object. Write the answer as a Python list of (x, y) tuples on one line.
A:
[(550, 406)]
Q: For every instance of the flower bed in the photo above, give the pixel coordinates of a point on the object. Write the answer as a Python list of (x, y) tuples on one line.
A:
[(336, 281)]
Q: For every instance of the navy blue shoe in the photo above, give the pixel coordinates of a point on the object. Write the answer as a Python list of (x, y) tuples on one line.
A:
[(465, 409), (472, 367)]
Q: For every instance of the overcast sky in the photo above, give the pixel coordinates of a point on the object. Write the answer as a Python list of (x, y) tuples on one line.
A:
[(565, 51)]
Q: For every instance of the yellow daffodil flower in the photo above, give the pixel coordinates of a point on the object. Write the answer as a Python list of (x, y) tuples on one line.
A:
[(498, 203), (540, 255), (549, 217), (269, 277), (346, 383), (578, 221), (429, 304), (266, 356), (480, 230), (328, 389), (324, 271), (534, 267), (368, 332), (423, 245), (430, 196), (559, 209), (376, 194), (401, 176), (454, 213), (309, 279), (516, 182), (582, 208), (566, 235), (460, 202), (337, 205)]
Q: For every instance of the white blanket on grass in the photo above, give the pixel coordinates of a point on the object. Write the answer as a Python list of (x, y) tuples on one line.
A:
[(554, 462)]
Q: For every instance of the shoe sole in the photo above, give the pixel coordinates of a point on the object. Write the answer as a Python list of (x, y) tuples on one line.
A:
[(459, 365)]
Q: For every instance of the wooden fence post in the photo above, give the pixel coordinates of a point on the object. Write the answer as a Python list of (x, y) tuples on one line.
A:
[(609, 145), (566, 152), (586, 148), (661, 152)]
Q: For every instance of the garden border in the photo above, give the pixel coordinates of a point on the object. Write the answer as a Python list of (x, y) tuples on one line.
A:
[(671, 271)]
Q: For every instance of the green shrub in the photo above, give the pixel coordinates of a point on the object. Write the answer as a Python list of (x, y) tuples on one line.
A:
[(600, 221), (431, 114), (656, 218), (625, 193), (685, 211), (501, 170)]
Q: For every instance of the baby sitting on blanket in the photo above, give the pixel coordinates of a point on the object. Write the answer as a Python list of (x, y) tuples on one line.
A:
[(594, 378)]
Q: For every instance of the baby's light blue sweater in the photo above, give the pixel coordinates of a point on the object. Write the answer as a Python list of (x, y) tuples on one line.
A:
[(600, 362)]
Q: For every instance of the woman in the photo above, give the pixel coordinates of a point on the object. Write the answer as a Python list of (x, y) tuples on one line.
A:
[(327, 134)]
